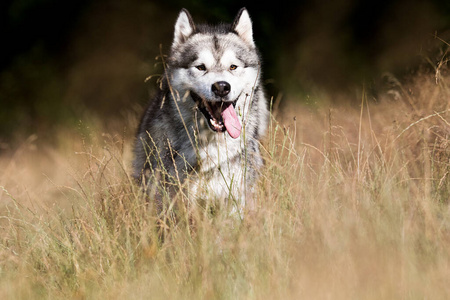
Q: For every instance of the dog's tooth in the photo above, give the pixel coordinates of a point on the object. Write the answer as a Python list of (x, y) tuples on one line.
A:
[(216, 124)]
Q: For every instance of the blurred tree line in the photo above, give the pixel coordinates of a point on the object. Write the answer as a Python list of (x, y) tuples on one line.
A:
[(63, 60)]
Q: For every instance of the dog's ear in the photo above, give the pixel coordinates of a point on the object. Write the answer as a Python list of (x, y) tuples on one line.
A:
[(242, 25), (184, 28)]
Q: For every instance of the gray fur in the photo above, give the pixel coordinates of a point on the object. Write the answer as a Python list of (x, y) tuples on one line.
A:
[(174, 134)]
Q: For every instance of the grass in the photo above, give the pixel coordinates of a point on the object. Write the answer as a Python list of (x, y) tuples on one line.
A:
[(353, 203)]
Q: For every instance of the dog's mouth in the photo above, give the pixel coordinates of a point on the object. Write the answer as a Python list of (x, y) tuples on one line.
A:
[(220, 115)]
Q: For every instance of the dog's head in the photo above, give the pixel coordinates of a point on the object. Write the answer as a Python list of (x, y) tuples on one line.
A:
[(216, 66)]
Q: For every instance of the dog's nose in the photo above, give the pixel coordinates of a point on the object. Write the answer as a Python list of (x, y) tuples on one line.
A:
[(221, 88)]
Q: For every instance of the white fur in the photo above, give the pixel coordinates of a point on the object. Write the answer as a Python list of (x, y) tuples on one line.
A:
[(241, 80), (215, 149), (244, 28), (183, 29), (220, 161)]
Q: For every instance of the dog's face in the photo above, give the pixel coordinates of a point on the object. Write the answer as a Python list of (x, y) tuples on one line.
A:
[(217, 67)]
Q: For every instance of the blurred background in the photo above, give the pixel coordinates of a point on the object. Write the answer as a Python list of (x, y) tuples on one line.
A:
[(66, 61)]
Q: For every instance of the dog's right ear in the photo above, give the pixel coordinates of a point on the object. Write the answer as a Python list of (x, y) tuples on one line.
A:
[(184, 28)]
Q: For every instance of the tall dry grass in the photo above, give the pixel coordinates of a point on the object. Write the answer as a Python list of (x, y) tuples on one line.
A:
[(353, 203)]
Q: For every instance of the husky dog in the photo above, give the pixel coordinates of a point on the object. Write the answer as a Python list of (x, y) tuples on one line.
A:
[(209, 115)]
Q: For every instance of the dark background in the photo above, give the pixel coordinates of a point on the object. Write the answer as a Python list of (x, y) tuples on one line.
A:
[(64, 61)]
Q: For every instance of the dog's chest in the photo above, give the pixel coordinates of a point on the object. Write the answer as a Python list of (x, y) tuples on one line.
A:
[(220, 153), (221, 170)]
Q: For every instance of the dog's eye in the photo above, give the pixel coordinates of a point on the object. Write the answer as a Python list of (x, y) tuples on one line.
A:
[(233, 67), (201, 67)]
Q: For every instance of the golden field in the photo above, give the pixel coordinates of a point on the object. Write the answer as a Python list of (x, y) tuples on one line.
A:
[(353, 203)]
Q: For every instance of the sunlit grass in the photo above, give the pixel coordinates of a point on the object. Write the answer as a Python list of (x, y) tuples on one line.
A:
[(353, 203)]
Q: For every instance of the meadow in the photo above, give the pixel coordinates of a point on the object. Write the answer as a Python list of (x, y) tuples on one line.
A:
[(352, 203)]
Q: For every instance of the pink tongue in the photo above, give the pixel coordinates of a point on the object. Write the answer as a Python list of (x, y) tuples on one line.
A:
[(231, 121)]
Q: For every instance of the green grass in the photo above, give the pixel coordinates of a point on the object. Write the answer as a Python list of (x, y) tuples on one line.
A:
[(353, 203)]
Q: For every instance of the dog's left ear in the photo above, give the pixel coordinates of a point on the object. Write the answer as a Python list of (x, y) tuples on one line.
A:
[(242, 25)]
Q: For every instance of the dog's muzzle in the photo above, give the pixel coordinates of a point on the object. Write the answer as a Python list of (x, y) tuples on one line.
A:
[(220, 115), (221, 88)]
